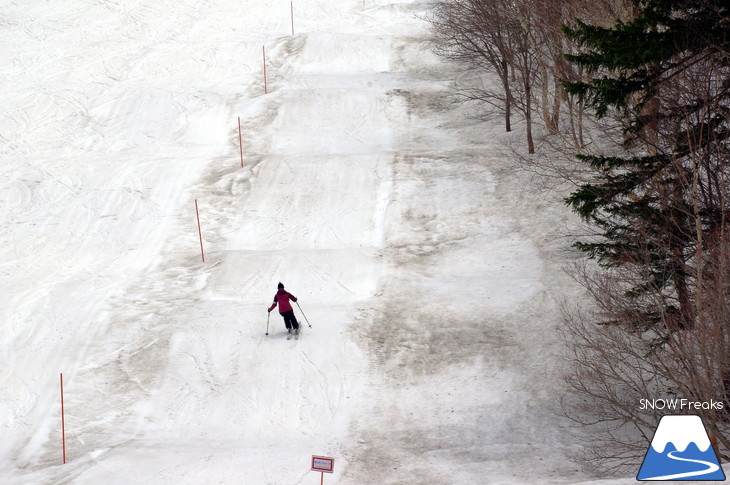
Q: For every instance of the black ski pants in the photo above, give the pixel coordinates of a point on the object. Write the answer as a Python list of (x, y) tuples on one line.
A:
[(290, 320)]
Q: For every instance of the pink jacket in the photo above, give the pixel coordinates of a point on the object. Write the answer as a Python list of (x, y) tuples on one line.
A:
[(282, 297)]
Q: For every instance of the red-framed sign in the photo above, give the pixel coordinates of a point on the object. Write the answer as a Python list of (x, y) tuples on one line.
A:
[(323, 464)]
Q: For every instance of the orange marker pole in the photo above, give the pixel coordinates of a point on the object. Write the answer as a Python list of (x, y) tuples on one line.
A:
[(240, 140), (264, 53), (200, 233), (63, 423)]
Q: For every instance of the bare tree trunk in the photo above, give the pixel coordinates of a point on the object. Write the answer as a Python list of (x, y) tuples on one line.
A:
[(528, 113), (508, 97), (558, 98), (545, 103)]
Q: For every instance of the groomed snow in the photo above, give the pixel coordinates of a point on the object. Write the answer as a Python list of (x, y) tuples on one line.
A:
[(430, 272)]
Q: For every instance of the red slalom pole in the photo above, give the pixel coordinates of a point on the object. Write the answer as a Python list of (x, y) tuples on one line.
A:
[(240, 140), (63, 423), (264, 52), (200, 233)]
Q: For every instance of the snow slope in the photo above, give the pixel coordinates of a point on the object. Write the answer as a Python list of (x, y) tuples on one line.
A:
[(429, 271)]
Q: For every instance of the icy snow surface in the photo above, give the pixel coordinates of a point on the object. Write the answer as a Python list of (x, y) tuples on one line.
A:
[(430, 272)]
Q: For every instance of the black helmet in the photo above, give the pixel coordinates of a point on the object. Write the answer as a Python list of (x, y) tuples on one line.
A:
[(281, 285)]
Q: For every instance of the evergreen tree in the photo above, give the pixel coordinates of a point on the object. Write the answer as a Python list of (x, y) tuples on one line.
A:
[(664, 75)]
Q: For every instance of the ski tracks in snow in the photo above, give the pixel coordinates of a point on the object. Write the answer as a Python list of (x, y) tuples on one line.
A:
[(352, 195)]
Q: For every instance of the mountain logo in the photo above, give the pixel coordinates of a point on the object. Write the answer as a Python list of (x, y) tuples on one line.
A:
[(681, 450)]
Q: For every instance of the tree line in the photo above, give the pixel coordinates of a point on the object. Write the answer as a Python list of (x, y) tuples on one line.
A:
[(634, 97)]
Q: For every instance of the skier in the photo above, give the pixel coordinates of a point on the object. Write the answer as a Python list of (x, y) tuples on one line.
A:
[(282, 297)]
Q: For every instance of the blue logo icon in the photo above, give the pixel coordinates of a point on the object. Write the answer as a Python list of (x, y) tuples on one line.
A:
[(681, 450)]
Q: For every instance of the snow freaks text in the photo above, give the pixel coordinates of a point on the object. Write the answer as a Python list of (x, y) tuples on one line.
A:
[(680, 404)]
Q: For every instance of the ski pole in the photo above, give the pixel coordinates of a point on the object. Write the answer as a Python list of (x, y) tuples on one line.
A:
[(267, 323), (305, 317)]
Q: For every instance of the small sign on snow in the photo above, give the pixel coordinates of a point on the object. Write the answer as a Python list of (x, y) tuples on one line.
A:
[(323, 464)]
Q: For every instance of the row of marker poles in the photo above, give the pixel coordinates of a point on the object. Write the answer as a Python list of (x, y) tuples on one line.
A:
[(197, 210), (240, 134), (200, 232)]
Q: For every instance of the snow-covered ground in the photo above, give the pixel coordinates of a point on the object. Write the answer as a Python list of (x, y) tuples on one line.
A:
[(429, 270)]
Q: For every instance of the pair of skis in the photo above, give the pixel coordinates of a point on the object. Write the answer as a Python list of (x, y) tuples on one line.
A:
[(296, 332)]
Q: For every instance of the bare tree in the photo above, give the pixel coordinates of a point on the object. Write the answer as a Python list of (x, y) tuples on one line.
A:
[(481, 40), (494, 36), (523, 45)]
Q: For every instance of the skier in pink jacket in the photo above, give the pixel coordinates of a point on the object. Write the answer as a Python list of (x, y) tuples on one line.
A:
[(283, 297)]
